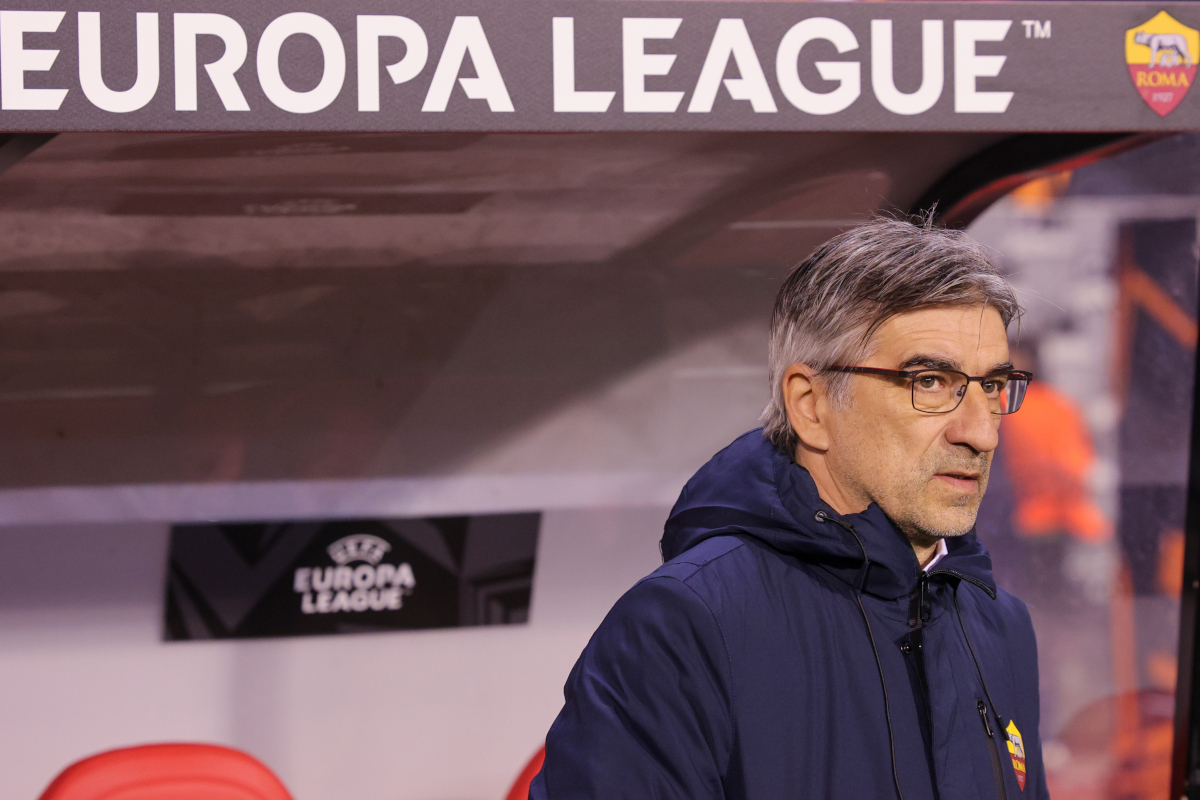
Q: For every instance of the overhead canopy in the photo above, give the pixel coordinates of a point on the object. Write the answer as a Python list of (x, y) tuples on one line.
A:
[(328, 302)]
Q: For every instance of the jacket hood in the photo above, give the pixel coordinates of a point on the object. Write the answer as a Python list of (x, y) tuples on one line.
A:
[(752, 489)]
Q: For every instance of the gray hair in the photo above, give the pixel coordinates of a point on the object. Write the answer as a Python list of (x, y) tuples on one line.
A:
[(831, 304)]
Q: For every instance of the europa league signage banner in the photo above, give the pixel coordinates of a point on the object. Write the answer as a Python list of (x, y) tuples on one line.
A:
[(246, 580), (595, 65)]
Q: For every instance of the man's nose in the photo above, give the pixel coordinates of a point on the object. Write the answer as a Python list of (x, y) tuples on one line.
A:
[(973, 424)]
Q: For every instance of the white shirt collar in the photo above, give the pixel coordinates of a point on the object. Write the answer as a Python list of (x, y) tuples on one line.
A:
[(941, 552)]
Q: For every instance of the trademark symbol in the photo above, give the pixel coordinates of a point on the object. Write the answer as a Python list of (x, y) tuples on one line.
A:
[(1035, 29)]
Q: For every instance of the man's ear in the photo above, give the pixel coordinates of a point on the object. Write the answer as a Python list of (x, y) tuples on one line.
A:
[(807, 406)]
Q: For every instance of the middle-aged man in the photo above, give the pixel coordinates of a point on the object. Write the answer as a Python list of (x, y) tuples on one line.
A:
[(826, 624)]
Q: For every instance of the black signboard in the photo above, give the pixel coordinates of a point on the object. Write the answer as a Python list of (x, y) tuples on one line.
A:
[(300, 578)]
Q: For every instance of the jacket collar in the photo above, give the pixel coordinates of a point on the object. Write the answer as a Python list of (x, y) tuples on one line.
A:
[(892, 569), (750, 489)]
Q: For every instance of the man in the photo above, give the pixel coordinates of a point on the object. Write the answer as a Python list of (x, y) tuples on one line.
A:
[(826, 624)]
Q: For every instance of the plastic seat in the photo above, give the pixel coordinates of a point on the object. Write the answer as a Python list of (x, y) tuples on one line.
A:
[(168, 772), (520, 788)]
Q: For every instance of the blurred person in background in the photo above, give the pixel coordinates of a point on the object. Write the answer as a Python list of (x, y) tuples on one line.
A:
[(1049, 458), (1057, 530)]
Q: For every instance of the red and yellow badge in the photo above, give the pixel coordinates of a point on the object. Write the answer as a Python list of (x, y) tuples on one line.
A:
[(1161, 53), (1016, 749)]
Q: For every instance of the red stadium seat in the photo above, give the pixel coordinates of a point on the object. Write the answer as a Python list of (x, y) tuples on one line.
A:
[(520, 789), (167, 772)]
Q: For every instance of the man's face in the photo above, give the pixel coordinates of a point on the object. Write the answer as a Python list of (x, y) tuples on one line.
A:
[(927, 472)]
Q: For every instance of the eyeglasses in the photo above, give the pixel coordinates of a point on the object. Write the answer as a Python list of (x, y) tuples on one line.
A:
[(940, 391)]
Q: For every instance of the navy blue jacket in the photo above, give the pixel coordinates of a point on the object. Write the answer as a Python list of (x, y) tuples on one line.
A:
[(783, 651)]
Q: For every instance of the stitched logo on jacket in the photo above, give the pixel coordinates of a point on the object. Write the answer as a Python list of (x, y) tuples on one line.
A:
[(1016, 749)]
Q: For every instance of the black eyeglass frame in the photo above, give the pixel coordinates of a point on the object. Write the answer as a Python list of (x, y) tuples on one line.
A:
[(913, 374)]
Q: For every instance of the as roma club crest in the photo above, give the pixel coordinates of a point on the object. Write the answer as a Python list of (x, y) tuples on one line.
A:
[(1016, 750), (1162, 53)]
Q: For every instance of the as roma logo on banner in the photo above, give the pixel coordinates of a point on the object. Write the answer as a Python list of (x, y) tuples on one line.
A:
[(1161, 53)]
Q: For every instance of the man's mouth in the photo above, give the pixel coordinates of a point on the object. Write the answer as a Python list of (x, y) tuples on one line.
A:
[(962, 480)]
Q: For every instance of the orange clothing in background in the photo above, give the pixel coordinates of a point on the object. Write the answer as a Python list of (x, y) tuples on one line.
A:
[(1048, 453)]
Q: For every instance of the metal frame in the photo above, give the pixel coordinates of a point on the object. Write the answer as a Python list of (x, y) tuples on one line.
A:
[(1185, 762)]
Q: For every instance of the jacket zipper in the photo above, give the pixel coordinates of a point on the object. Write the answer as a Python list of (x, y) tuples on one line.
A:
[(918, 616), (997, 770)]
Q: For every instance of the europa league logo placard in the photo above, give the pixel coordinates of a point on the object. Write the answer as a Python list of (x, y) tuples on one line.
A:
[(240, 580)]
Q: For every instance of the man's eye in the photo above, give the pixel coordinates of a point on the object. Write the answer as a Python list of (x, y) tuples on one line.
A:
[(930, 383)]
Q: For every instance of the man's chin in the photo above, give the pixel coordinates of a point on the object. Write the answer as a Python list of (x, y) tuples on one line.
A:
[(946, 515), (925, 528), (948, 525), (934, 513), (943, 499)]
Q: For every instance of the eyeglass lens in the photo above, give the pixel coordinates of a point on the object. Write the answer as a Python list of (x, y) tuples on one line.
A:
[(940, 391)]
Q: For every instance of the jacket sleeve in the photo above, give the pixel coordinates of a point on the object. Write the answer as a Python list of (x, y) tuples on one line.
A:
[(647, 711)]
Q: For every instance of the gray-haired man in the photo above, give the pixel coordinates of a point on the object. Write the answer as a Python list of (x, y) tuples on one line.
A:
[(825, 625)]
